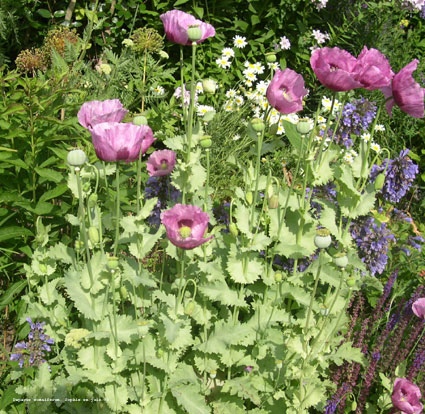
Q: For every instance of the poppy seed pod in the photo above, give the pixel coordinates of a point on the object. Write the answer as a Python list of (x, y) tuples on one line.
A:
[(194, 33), (323, 239), (257, 124), (271, 57), (140, 120), (341, 260), (76, 158), (233, 229)]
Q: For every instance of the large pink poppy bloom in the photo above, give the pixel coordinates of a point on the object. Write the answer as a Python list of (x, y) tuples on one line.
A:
[(114, 141), (372, 69), (406, 396), (176, 24), (406, 92), (186, 226), (418, 308), (286, 91), (161, 163), (334, 68), (96, 112)]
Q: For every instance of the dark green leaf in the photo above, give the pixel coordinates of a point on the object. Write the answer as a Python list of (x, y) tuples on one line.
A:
[(12, 232), (44, 13), (11, 292)]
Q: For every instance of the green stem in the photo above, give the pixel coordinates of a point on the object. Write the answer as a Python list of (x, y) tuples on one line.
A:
[(182, 260), (260, 136), (192, 103), (207, 151), (310, 308), (144, 80), (117, 215), (182, 85)]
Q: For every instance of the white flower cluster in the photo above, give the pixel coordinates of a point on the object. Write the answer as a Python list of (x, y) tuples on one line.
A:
[(224, 61), (327, 105), (416, 4), (320, 4), (320, 37), (284, 43)]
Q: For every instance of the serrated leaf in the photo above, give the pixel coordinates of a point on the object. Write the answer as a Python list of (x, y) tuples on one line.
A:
[(324, 173), (189, 397), (116, 396), (243, 388), (62, 253), (220, 291), (242, 214), (244, 267), (346, 352), (177, 333), (259, 242), (363, 205), (293, 136), (175, 143)]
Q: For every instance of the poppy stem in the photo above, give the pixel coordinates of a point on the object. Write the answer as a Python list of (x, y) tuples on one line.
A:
[(117, 215)]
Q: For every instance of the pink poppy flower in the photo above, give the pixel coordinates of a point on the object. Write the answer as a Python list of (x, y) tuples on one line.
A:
[(406, 92), (418, 308), (114, 141), (372, 69), (286, 91), (96, 112), (334, 68), (176, 24), (406, 396), (186, 226), (161, 163)]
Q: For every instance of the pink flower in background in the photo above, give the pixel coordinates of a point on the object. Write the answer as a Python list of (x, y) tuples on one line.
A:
[(334, 68), (186, 226), (406, 396), (114, 141), (286, 91), (372, 69), (418, 308), (176, 24), (96, 112), (406, 93), (161, 163)]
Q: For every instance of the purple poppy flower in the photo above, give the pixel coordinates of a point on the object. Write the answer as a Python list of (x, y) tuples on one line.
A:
[(176, 24), (406, 396), (406, 93), (286, 91), (114, 141), (372, 69), (334, 68), (161, 163), (96, 112), (186, 226), (418, 308)]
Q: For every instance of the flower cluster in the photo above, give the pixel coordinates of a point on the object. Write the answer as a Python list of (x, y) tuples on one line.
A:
[(32, 352), (373, 241), (399, 176)]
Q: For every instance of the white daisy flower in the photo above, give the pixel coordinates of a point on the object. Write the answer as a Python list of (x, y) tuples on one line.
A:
[(365, 137), (264, 104), (258, 68), (223, 63), (280, 129), (250, 66), (201, 110), (284, 43), (379, 127), (231, 93), (248, 82), (228, 106), (249, 95), (237, 137), (158, 91), (353, 153), (239, 42), (273, 65), (199, 88), (326, 103), (262, 87), (321, 120), (249, 75), (375, 147), (228, 52), (239, 100), (348, 158)]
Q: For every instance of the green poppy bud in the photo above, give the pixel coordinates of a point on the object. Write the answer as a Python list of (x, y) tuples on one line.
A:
[(233, 229), (249, 197), (323, 239), (354, 406), (140, 120), (93, 234), (76, 158), (163, 55), (189, 308), (92, 200), (206, 141), (351, 281), (113, 262), (194, 33), (123, 292), (341, 260), (271, 57), (278, 277), (273, 201), (379, 182), (79, 245), (257, 124), (304, 127), (209, 86)]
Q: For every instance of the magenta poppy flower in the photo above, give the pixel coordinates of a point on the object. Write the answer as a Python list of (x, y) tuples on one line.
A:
[(114, 141), (286, 91), (372, 69), (186, 226), (96, 112), (176, 24), (161, 163), (418, 308), (406, 92), (406, 396), (334, 68)]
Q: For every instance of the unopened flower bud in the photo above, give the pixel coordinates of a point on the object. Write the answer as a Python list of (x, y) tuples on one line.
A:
[(189, 308), (304, 127), (233, 229), (93, 234), (92, 200), (323, 239), (113, 262), (351, 281), (206, 141), (140, 120), (257, 124), (379, 182), (185, 232), (124, 292), (163, 55), (79, 245), (273, 201), (209, 86), (249, 197), (160, 353), (76, 158), (278, 277), (341, 260), (194, 33), (271, 57)]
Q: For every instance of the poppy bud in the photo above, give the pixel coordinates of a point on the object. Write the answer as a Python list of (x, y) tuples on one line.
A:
[(140, 120), (257, 124), (123, 292), (351, 281), (92, 200), (248, 197), (273, 201), (190, 307), (278, 277), (79, 245), (379, 182), (233, 229), (113, 262), (209, 86), (93, 234), (206, 141)]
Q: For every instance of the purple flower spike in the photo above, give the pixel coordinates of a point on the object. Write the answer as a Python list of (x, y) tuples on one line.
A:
[(418, 308), (161, 163), (114, 141), (176, 24), (96, 112), (186, 226)]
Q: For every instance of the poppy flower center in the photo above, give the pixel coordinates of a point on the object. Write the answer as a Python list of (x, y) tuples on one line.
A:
[(286, 94), (185, 232), (164, 164)]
